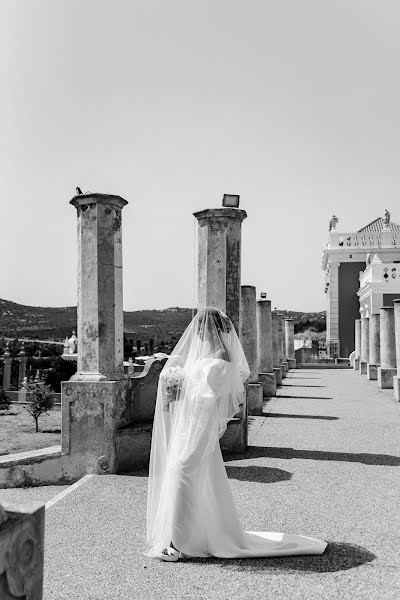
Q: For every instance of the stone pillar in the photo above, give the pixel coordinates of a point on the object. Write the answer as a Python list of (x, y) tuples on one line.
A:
[(94, 402), (264, 337), (289, 343), (374, 359), (332, 309), (396, 378), (276, 349), (357, 340), (100, 316), (364, 345), (387, 370), (7, 361), (248, 339), (219, 256), (21, 550), (219, 281), (281, 329), (22, 365)]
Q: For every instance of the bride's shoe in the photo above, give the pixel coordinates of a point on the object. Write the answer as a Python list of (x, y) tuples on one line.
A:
[(170, 554)]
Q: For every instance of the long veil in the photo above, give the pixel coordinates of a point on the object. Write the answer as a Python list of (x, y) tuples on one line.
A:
[(193, 408)]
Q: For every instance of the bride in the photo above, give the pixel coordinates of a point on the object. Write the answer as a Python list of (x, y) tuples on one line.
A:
[(190, 508)]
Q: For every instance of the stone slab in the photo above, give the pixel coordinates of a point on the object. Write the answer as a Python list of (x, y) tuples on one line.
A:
[(291, 363), (356, 365), (385, 378), (278, 376), (363, 367), (283, 371), (372, 372)]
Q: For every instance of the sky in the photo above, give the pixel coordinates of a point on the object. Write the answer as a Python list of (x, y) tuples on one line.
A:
[(292, 104)]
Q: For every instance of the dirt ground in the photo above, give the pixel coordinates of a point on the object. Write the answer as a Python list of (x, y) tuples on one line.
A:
[(17, 430)]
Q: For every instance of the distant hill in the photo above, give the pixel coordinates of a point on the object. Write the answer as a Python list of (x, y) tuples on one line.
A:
[(55, 323)]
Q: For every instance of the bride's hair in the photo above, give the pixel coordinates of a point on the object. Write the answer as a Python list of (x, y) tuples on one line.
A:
[(213, 316)]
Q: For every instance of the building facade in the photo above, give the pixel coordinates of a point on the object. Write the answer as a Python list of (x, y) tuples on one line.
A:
[(344, 261)]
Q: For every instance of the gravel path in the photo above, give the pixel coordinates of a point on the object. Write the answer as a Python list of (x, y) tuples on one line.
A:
[(324, 462)]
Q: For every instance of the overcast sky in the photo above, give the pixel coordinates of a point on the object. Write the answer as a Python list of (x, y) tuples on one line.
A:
[(293, 104)]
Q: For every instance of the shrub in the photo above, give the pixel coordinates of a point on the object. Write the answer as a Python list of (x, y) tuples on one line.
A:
[(41, 400), (4, 400)]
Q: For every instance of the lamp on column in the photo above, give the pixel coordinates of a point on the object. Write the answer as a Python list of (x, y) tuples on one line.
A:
[(230, 201)]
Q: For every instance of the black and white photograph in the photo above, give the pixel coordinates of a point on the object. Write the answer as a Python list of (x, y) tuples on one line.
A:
[(200, 300)]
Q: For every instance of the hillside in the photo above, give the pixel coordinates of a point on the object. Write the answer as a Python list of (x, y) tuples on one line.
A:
[(55, 323)]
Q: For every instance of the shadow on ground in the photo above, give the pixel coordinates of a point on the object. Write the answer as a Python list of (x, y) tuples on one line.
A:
[(289, 453), (339, 556), (306, 397), (287, 416), (258, 474), (296, 385)]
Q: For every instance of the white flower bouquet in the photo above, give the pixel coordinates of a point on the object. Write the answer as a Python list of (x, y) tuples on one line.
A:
[(172, 379)]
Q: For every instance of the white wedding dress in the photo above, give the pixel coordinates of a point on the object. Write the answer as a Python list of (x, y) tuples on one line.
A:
[(190, 501)]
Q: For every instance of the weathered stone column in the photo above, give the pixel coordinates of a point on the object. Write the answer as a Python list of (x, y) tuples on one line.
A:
[(396, 378), (21, 550), (264, 337), (357, 340), (248, 338), (219, 283), (23, 359), (387, 370), (94, 401), (219, 267), (281, 329), (7, 361), (276, 349), (374, 359), (100, 316), (289, 342), (364, 345)]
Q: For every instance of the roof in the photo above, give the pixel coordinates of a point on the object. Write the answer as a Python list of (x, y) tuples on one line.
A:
[(377, 226)]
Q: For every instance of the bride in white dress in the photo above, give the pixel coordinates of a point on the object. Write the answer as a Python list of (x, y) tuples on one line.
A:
[(190, 508)]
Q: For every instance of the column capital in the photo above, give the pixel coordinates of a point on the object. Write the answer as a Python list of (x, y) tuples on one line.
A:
[(236, 214), (109, 199)]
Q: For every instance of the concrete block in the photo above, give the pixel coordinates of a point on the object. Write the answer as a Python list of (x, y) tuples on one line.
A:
[(286, 365), (372, 372), (283, 371), (255, 398), (396, 388), (292, 363), (363, 367), (385, 378), (356, 365), (234, 440), (278, 376), (268, 383)]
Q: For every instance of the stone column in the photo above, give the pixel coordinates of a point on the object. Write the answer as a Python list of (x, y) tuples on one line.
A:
[(388, 369), (100, 316), (289, 342), (219, 256), (282, 357), (264, 337), (374, 359), (219, 281), (22, 550), (357, 340), (276, 349), (396, 378), (7, 361), (94, 401), (364, 345), (22, 365), (332, 310), (248, 339)]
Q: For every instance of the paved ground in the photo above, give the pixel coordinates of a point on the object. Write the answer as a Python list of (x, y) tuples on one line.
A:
[(324, 461)]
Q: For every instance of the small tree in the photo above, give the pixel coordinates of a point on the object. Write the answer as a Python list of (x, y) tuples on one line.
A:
[(4, 400), (41, 400)]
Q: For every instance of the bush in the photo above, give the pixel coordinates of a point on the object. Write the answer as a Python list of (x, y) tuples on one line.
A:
[(4, 400), (41, 400)]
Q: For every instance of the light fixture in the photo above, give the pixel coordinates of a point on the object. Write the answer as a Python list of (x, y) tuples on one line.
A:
[(231, 201), (263, 295)]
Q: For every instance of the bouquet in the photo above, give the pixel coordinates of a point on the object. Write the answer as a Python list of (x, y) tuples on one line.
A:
[(172, 379)]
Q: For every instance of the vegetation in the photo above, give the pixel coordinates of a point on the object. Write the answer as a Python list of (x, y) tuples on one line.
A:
[(4, 400), (41, 401)]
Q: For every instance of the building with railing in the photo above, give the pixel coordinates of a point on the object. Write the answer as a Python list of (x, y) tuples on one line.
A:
[(345, 256), (379, 285)]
